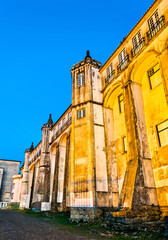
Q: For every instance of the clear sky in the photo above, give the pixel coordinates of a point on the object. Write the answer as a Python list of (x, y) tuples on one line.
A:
[(40, 41)]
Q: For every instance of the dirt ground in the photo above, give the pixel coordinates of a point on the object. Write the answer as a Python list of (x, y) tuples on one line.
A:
[(22, 225)]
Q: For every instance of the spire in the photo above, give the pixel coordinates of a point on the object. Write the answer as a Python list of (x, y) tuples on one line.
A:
[(32, 147), (87, 60), (50, 121), (49, 124), (87, 54)]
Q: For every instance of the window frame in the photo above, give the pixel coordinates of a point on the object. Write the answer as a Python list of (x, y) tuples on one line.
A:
[(124, 144), (154, 20), (82, 80), (109, 69), (120, 101), (158, 136), (149, 76), (79, 115), (122, 56), (138, 39)]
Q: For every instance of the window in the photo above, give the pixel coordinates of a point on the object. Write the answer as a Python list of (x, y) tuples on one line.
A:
[(59, 127), (154, 19), (124, 144), (12, 196), (81, 113), (63, 121), (109, 70), (136, 40), (81, 79), (123, 60), (138, 43), (13, 186), (154, 76), (69, 115), (122, 56), (162, 131), (121, 103)]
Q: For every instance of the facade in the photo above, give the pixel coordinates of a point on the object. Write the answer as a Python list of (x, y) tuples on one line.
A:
[(7, 169), (109, 150)]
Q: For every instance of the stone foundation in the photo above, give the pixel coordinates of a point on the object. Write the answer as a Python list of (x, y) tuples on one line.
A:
[(85, 214), (135, 215), (41, 206), (138, 214)]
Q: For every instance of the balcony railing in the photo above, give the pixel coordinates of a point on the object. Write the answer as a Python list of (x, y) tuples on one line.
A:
[(110, 77), (138, 47), (123, 64), (64, 126), (156, 28)]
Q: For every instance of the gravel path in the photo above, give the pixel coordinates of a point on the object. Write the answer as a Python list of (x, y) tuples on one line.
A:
[(15, 225)]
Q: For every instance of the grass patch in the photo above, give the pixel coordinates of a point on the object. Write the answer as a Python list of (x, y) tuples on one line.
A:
[(92, 230)]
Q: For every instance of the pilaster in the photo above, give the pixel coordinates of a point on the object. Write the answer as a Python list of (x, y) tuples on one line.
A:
[(43, 181), (164, 70), (139, 186), (24, 202)]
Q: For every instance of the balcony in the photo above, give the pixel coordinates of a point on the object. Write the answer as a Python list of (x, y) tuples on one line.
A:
[(123, 64), (156, 28), (138, 47), (59, 131), (110, 77)]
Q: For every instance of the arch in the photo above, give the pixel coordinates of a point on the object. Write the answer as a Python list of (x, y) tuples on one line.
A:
[(115, 132), (142, 65), (59, 153), (112, 93)]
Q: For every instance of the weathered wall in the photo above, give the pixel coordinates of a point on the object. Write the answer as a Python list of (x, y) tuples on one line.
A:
[(10, 168)]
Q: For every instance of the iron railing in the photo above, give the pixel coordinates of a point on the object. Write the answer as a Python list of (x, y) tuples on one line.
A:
[(123, 64), (110, 77), (59, 131), (138, 47), (156, 27)]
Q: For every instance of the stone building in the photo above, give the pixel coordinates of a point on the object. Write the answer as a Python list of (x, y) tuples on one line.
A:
[(109, 149), (7, 169)]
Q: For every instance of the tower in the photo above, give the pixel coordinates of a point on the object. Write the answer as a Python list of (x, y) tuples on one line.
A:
[(24, 202), (43, 181), (88, 159)]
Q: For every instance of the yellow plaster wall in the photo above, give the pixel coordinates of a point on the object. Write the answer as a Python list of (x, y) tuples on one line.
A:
[(119, 133), (156, 111)]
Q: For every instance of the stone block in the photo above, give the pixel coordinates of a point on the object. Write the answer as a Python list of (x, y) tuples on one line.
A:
[(45, 206)]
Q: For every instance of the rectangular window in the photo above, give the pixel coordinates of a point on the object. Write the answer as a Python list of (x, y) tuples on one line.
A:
[(81, 113), (162, 130), (13, 186), (153, 20), (122, 56), (109, 70), (136, 39), (154, 76), (81, 79), (59, 127), (69, 115), (124, 144), (121, 103), (63, 121)]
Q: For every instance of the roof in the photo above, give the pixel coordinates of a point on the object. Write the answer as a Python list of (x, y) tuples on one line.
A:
[(9, 160)]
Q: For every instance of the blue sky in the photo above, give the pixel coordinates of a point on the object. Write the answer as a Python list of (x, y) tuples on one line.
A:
[(39, 43)]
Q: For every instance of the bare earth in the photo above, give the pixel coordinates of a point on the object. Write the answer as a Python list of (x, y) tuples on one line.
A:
[(21, 226)]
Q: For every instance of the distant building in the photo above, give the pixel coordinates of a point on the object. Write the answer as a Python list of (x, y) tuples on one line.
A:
[(8, 168), (109, 149)]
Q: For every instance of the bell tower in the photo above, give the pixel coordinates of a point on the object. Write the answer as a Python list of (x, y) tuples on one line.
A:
[(88, 159)]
